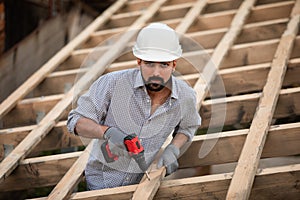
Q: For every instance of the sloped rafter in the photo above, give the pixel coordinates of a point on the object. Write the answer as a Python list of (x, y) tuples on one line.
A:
[(36, 135), (241, 183)]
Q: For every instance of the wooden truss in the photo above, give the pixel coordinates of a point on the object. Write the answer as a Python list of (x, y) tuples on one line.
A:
[(254, 46)]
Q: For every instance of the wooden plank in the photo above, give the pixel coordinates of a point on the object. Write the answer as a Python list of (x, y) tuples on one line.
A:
[(215, 186), (250, 53), (286, 136), (135, 5), (259, 31), (65, 186), (241, 184), (221, 50), (58, 138), (48, 122), (212, 186), (190, 17), (39, 172), (217, 6), (252, 78), (213, 21), (47, 68), (270, 11), (29, 111)]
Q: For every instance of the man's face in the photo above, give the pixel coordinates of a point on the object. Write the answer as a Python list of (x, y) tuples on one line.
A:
[(156, 74)]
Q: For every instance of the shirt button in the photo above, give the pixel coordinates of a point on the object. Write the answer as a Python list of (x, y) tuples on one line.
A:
[(127, 178)]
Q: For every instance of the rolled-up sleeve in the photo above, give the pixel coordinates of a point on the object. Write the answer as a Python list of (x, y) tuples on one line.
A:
[(93, 104), (190, 120)]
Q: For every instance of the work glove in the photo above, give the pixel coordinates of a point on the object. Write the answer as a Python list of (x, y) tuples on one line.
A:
[(115, 139), (169, 159)]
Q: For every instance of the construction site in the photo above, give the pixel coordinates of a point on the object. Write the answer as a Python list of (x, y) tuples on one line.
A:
[(248, 144)]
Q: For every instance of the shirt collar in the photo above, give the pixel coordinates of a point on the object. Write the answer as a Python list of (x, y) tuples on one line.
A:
[(139, 82)]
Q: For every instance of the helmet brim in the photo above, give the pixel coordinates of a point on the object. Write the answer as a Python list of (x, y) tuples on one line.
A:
[(155, 55)]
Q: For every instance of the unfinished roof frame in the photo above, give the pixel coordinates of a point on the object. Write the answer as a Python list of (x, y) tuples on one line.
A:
[(230, 53)]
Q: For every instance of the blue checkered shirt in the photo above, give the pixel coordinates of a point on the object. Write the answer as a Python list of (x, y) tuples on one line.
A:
[(120, 99)]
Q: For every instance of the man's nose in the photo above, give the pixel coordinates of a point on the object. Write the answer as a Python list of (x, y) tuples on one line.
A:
[(156, 69)]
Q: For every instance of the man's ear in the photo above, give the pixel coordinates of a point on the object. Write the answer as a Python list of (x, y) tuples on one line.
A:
[(139, 61), (174, 64)]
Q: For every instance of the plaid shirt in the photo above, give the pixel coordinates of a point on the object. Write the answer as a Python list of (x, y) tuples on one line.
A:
[(120, 99)]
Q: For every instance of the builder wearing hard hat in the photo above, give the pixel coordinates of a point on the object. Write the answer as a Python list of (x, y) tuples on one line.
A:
[(147, 102)]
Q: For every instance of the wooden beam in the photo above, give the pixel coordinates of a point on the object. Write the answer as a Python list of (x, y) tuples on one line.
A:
[(135, 5), (38, 77), (230, 143), (58, 138), (212, 186), (39, 172), (209, 72), (65, 186), (226, 150), (252, 78), (241, 109), (48, 122), (29, 111), (259, 31), (215, 186), (271, 11), (241, 183)]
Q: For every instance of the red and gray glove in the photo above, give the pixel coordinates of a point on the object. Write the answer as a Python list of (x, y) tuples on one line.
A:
[(115, 139), (169, 159)]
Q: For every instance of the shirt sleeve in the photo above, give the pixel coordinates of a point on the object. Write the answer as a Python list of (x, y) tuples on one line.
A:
[(93, 104), (190, 120)]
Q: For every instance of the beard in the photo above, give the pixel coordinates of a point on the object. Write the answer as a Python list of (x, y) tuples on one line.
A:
[(156, 86)]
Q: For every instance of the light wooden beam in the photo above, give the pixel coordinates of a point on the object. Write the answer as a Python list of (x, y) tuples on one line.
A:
[(39, 172), (48, 122), (211, 186), (209, 72), (215, 186), (227, 150), (271, 11), (58, 138), (230, 143), (72, 177), (30, 111), (50, 66), (242, 181), (241, 109)]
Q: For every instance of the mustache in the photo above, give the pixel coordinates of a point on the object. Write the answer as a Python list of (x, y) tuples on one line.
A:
[(155, 78)]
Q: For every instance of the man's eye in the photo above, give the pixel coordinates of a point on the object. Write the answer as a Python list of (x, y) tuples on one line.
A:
[(164, 65)]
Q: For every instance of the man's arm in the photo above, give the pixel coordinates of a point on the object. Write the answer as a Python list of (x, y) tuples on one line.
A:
[(179, 140), (88, 128)]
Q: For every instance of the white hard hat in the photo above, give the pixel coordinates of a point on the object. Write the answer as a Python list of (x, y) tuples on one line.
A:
[(157, 42)]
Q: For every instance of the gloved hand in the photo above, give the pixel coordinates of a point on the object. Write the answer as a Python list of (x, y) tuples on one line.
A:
[(115, 139), (169, 159)]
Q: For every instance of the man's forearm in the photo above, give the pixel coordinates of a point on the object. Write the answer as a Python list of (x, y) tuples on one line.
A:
[(179, 140), (88, 128)]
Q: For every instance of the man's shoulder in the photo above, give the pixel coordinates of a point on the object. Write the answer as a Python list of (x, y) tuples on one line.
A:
[(183, 87), (117, 75)]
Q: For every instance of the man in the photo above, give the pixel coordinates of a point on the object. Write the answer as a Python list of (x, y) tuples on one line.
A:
[(147, 101)]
